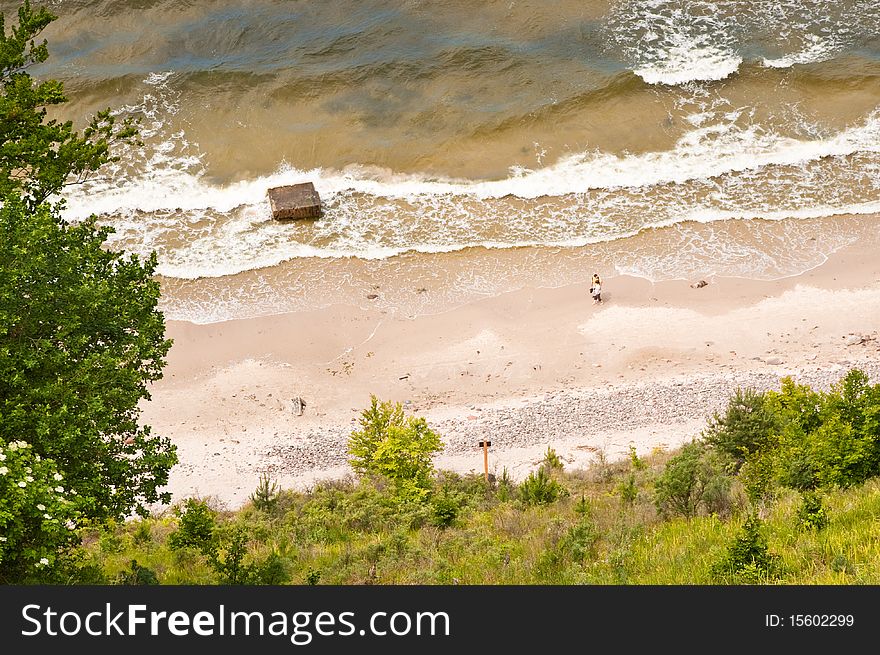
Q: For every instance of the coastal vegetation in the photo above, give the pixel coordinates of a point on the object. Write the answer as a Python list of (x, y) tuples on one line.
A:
[(80, 334), (795, 504)]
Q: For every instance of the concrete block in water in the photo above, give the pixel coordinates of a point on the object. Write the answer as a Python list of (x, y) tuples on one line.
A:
[(295, 201)]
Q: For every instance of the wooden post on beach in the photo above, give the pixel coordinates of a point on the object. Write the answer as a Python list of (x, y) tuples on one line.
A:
[(485, 446)]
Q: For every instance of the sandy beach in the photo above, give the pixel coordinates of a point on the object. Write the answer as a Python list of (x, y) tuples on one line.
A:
[(528, 369)]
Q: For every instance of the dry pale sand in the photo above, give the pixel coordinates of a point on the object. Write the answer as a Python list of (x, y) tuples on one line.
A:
[(530, 369)]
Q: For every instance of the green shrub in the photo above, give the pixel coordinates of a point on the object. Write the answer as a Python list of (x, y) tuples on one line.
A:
[(748, 558), (827, 440), (196, 527), (272, 571), (746, 426), (695, 476), (628, 490), (445, 508), (143, 533), (265, 496), (812, 514), (540, 489), (37, 515), (583, 507), (581, 540), (637, 463), (552, 461), (505, 486), (137, 575)]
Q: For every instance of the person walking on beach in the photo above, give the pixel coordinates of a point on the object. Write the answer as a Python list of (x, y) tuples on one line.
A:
[(596, 289)]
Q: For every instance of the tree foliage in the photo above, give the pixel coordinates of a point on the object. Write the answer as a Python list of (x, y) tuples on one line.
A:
[(695, 477), (827, 439), (39, 156), (81, 336), (746, 426), (394, 446), (802, 438), (38, 514), (80, 339)]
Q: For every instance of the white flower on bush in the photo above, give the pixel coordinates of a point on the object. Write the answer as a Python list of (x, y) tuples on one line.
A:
[(22, 484), (2, 457), (47, 516), (3, 470), (29, 478), (2, 538), (57, 477), (59, 489), (41, 507), (43, 562)]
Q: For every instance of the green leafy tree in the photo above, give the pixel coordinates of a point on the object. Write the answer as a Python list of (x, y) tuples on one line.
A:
[(38, 156), (394, 446), (827, 440), (80, 339)]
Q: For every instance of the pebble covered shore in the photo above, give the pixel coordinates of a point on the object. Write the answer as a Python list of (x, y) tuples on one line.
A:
[(585, 415)]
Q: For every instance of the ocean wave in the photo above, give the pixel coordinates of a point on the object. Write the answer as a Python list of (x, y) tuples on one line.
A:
[(725, 167), (707, 151), (685, 64), (673, 43), (816, 49)]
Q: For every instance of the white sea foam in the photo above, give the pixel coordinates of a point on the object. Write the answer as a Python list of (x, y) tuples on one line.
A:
[(674, 43), (725, 167), (683, 64), (708, 151), (816, 49)]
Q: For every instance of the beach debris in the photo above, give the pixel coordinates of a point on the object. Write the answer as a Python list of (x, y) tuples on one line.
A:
[(421, 290), (856, 339), (403, 377), (773, 361), (295, 201), (699, 285), (372, 296), (298, 405)]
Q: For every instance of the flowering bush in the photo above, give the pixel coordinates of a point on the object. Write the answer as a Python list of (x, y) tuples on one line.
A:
[(38, 515)]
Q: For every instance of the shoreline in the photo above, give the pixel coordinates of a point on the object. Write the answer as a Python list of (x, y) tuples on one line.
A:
[(533, 368)]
